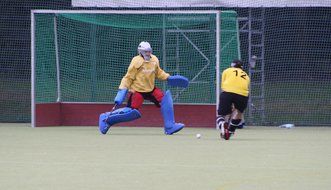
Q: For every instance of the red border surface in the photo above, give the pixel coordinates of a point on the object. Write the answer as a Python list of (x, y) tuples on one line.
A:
[(66, 114)]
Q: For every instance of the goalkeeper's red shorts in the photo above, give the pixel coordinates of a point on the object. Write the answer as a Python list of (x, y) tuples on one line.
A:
[(136, 99)]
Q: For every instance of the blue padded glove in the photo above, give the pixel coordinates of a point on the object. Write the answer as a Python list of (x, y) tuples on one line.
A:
[(121, 94), (178, 81)]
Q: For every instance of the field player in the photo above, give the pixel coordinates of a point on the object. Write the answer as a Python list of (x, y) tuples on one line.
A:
[(140, 82), (235, 91)]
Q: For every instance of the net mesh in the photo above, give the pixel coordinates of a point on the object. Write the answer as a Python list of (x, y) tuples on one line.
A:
[(94, 51), (298, 69), (291, 81), (297, 62)]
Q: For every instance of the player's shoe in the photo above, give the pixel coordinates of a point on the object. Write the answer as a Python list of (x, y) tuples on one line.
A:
[(103, 125), (225, 133), (174, 128)]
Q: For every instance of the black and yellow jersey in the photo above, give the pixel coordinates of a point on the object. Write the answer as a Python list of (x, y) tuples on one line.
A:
[(235, 80)]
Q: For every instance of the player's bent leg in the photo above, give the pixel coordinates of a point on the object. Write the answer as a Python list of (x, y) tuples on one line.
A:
[(158, 94), (219, 121), (234, 124), (235, 121), (225, 133), (135, 100), (225, 111), (240, 105), (241, 124), (223, 126), (106, 120), (167, 109)]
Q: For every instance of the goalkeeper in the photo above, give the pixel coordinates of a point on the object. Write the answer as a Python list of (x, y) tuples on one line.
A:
[(140, 82), (235, 90)]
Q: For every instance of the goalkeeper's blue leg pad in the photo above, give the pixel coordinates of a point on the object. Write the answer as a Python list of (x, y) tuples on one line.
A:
[(123, 115), (167, 109), (120, 115)]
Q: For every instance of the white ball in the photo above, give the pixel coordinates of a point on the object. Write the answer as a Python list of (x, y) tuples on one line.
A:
[(198, 136)]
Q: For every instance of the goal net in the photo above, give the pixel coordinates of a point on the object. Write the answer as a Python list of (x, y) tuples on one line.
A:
[(80, 57)]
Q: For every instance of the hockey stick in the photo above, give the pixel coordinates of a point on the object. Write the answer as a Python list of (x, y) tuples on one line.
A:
[(114, 107)]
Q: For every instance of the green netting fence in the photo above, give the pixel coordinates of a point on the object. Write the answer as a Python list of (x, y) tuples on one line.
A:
[(297, 67)]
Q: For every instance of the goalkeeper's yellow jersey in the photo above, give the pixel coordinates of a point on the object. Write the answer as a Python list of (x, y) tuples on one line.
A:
[(141, 74), (235, 80)]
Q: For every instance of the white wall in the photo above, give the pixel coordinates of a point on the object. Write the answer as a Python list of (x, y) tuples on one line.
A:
[(201, 3)]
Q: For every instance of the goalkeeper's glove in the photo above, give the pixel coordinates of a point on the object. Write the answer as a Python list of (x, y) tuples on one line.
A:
[(121, 94), (178, 81)]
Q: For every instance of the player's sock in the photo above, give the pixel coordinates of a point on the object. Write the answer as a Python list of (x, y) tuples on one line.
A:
[(220, 119)]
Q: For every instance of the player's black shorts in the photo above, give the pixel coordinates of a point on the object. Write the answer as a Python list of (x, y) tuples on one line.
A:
[(227, 99)]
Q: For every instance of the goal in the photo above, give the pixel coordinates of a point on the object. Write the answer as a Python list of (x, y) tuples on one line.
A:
[(79, 57)]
